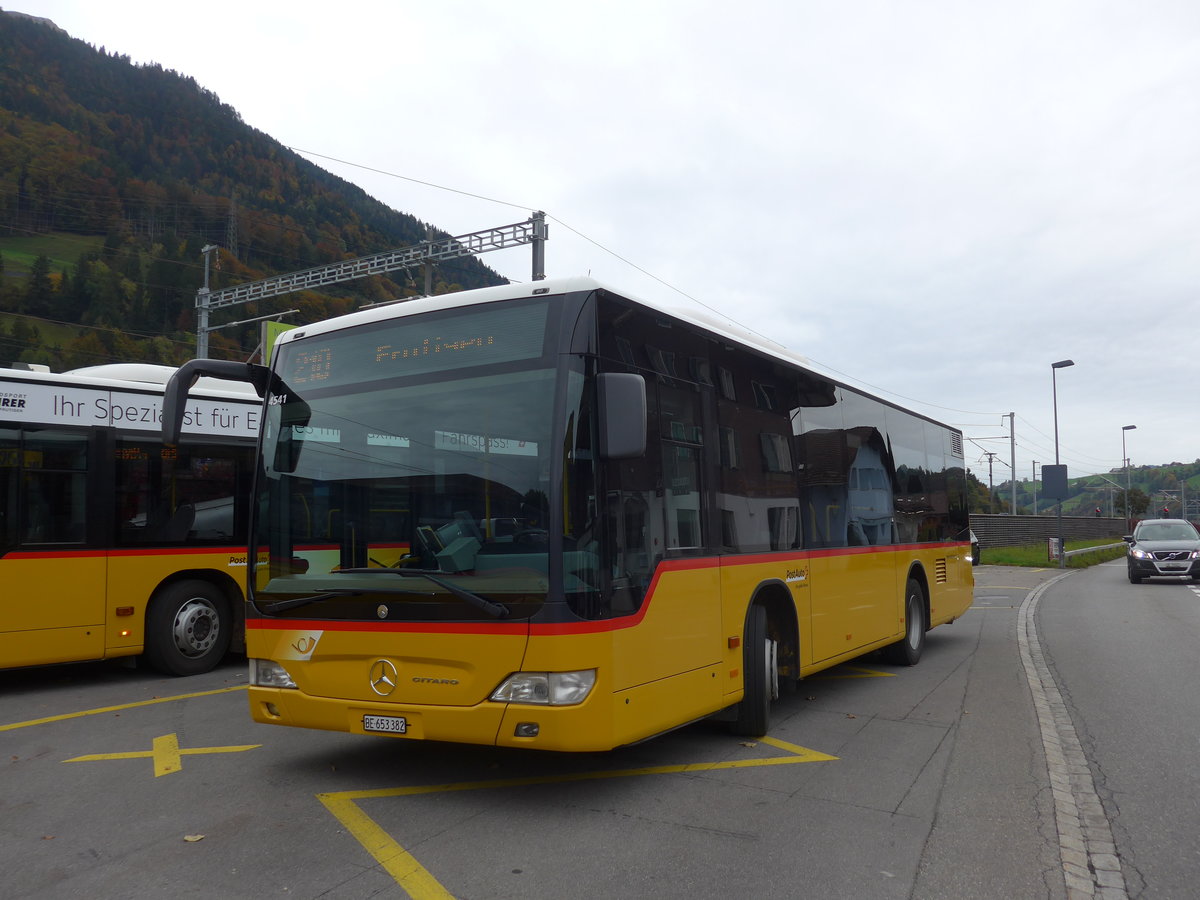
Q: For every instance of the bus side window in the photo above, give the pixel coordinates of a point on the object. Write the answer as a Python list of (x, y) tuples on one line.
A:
[(53, 488)]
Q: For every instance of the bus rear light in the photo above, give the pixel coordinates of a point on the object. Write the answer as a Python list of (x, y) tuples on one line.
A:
[(268, 673), (546, 688), (124, 611)]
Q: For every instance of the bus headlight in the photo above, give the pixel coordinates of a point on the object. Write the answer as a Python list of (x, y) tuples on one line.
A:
[(268, 673), (546, 688)]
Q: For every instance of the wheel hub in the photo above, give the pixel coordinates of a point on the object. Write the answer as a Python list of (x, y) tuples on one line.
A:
[(196, 627)]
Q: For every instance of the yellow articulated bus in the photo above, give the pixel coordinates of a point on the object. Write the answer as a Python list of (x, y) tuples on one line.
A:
[(553, 516), (112, 544)]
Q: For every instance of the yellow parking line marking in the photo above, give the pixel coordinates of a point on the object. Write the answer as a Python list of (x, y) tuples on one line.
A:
[(166, 753), (415, 879), (107, 709), (396, 861)]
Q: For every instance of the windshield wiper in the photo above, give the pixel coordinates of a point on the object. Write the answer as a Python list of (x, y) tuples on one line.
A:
[(297, 602), (498, 610)]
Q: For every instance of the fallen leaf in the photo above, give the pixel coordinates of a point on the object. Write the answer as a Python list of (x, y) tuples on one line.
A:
[(749, 743), (48, 837), (851, 716), (192, 838)]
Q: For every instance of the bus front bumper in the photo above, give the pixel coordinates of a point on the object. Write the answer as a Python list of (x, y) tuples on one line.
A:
[(565, 728)]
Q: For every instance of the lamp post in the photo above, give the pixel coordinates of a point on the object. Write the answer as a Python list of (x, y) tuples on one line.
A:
[(1054, 367), (1125, 460)]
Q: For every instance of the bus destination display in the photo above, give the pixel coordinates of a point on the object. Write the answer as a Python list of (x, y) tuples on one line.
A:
[(418, 346)]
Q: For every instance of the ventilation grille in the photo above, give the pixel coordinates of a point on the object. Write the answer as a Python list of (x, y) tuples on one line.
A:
[(956, 444), (939, 571)]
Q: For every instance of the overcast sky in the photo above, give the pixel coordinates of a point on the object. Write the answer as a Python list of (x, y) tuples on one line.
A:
[(934, 200)]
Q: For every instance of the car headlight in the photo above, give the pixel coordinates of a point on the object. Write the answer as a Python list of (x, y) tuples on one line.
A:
[(546, 688), (268, 673), (1139, 554)]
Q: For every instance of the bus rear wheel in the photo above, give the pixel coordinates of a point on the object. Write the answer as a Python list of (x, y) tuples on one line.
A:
[(188, 627), (760, 674), (907, 651)]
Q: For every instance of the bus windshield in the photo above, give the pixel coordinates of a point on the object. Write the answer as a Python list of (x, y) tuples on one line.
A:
[(423, 497)]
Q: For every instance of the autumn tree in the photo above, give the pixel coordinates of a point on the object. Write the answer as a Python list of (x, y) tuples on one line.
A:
[(1138, 502), (39, 290)]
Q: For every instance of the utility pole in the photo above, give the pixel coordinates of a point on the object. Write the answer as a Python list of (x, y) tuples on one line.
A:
[(202, 328), (1012, 450), (991, 498)]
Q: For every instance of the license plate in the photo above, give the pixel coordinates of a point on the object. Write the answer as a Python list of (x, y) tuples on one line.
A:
[(389, 724)]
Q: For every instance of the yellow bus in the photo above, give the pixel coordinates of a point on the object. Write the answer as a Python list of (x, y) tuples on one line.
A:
[(553, 516), (112, 544)]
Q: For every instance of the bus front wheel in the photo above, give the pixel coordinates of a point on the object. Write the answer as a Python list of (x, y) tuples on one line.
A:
[(907, 651), (760, 674), (188, 627)]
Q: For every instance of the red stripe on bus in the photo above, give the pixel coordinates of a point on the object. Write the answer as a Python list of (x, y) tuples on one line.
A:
[(597, 626), (146, 551)]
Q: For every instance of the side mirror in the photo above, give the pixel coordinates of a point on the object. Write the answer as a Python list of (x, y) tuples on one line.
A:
[(176, 391), (1128, 539), (622, 402)]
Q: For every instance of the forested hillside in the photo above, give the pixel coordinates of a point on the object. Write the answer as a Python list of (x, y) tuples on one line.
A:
[(113, 176), (1152, 489)]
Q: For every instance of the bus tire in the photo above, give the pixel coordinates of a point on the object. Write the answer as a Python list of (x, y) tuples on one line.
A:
[(188, 627), (907, 651), (760, 676)]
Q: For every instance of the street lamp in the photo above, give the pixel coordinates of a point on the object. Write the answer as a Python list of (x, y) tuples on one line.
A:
[(1125, 460), (1054, 367)]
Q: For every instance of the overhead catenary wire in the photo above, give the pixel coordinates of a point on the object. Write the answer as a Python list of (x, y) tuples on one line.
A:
[(666, 284)]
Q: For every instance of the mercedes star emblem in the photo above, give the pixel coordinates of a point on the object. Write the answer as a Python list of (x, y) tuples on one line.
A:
[(383, 677)]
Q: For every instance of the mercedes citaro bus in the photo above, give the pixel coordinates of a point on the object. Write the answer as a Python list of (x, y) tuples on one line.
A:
[(553, 516), (113, 544)]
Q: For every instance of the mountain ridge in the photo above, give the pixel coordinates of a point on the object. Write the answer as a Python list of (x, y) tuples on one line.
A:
[(94, 146)]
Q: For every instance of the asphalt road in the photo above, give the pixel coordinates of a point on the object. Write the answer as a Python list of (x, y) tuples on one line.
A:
[(875, 781), (1126, 658)]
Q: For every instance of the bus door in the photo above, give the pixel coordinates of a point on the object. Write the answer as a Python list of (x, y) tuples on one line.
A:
[(846, 510), (52, 605)]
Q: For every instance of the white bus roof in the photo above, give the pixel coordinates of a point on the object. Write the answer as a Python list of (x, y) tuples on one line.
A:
[(712, 322), (129, 376)]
